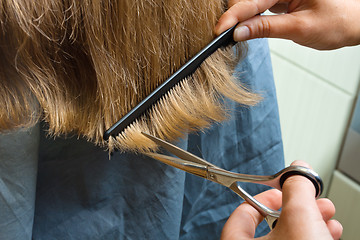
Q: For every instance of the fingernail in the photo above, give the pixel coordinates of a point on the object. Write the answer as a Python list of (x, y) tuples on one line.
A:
[(241, 33)]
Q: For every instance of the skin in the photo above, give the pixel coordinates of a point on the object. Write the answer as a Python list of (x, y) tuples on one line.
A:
[(319, 24), (302, 217)]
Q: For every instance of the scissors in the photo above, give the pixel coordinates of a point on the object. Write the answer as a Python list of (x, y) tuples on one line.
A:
[(200, 167)]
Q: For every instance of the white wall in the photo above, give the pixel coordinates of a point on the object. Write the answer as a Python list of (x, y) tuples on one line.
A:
[(316, 93)]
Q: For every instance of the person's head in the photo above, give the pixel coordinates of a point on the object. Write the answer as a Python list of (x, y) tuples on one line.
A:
[(81, 65)]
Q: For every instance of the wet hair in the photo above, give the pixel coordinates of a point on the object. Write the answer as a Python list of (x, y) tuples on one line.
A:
[(81, 65)]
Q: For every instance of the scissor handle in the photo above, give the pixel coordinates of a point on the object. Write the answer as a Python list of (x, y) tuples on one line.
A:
[(271, 216), (305, 172), (302, 171), (276, 181)]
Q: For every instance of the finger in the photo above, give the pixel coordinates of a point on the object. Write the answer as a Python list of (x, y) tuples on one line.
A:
[(241, 11), (244, 220), (300, 179), (300, 163), (279, 8), (327, 208), (335, 228), (233, 2), (298, 190), (287, 26)]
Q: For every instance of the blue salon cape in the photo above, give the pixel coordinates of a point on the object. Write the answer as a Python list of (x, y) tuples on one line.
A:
[(69, 189)]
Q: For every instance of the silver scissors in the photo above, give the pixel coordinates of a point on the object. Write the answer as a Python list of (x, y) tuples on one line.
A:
[(200, 167)]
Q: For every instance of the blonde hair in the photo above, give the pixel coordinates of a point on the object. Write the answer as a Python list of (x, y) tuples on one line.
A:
[(81, 65)]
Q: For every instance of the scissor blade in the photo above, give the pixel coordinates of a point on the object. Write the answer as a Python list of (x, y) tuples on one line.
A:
[(178, 151), (193, 168)]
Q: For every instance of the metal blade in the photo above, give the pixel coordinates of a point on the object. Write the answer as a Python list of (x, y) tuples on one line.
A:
[(178, 151), (193, 168)]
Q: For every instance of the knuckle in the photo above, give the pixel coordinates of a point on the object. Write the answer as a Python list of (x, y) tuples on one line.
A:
[(255, 5), (251, 5), (266, 27), (261, 28), (293, 208), (304, 27)]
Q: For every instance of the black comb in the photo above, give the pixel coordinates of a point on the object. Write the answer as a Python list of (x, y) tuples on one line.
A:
[(223, 40)]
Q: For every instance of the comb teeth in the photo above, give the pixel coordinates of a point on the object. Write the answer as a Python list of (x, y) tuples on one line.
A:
[(171, 116), (223, 40)]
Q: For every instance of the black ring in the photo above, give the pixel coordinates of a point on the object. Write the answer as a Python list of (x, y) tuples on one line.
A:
[(316, 182)]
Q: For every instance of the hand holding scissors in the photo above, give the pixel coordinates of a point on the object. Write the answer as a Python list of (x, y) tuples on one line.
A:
[(200, 167), (302, 217)]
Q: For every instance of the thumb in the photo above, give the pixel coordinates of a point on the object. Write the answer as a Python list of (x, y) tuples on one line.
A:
[(298, 188), (299, 198), (300, 212), (275, 26)]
